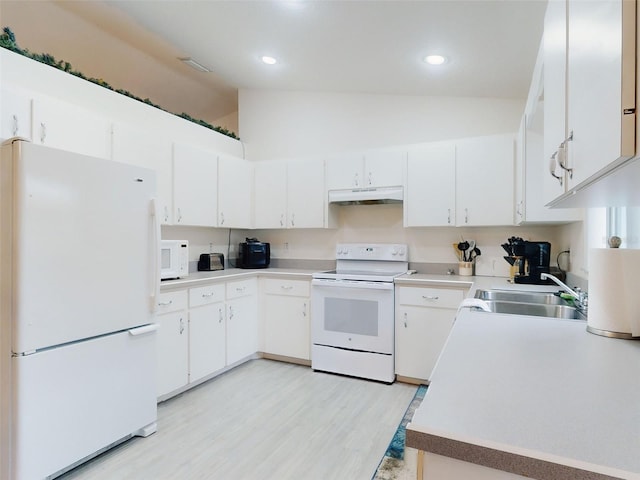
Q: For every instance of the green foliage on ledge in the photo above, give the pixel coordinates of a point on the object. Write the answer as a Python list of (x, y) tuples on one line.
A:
[(8, 41)]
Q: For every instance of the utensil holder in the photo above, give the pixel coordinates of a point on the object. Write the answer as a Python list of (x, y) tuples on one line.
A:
[(466, 269)]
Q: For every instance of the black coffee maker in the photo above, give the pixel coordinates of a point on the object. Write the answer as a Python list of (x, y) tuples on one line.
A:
[(534, 260)]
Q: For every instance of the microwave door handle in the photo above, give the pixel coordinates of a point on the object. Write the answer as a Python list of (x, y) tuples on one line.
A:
[(155, 254)]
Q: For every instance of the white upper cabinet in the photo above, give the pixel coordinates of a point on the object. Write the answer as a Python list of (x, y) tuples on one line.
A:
[(601, 85), (431, 185), (147, 149), (65, 126), (375, 168), (345, 171), (234, 192), (270, 190), (195, 186), (554, 180), (384, 168), (485, 180), (289, 194), (305, 194), (16, 114)]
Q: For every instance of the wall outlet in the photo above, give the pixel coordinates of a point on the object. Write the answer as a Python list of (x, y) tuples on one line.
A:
[(286, 246)]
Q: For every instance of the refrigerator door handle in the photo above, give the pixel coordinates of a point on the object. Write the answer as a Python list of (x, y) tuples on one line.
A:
[(155, 252), (143, 330)]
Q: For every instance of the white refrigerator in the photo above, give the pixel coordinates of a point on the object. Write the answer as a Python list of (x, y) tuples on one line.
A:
[(79, 276)]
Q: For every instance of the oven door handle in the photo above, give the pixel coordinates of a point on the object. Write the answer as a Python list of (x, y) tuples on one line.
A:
[(364, 285)]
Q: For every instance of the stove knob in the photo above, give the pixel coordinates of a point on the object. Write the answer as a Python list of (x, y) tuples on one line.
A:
[(394, 251)]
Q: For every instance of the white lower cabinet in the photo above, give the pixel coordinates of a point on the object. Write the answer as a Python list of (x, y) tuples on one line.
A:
[(424, 317), (173, 342), (207, 327), (285, 314), (242, 319), (204, 330)]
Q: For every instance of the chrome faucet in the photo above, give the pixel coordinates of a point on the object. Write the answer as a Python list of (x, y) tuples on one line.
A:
[(580, 297)]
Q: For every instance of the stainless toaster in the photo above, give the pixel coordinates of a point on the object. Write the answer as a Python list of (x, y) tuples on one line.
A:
[(210, 261)]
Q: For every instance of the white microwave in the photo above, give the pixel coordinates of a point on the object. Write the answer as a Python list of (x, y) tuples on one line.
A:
[(174, 259)]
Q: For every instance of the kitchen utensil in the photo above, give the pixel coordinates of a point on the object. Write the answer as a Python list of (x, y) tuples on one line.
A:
[(474, 253), (472, 246), (463, 247)]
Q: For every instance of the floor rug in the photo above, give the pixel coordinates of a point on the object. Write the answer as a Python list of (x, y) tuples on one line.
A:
[(400, 463)]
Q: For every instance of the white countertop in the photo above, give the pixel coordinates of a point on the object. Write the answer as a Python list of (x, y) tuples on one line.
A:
[(199, 278), (539, 387)]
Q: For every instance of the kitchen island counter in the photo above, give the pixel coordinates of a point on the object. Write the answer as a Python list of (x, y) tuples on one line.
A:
[(533, 396)]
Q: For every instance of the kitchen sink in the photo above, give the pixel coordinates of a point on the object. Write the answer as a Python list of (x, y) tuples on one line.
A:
[(537, 304), (521, 297), (536, 310)]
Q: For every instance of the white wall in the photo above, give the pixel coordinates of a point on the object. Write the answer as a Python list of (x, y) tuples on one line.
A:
[(293, 124), (383, 223)]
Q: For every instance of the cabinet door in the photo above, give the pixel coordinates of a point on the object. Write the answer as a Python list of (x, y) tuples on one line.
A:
[(16, 115), (234, 192), (206, 340), (384, 168), (65, 126), (555, 76), (173, 352), (270, 194), (287, 326), (305, 194), (195, 186), (420, 337), (345, 171), (242, 328), (147, 149), (484, 181), (431, 189), (601, 85)]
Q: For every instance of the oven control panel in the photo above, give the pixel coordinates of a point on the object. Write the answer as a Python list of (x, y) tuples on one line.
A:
[(372, 251)]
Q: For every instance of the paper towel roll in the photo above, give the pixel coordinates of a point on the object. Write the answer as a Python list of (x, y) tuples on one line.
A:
[(614, 297)]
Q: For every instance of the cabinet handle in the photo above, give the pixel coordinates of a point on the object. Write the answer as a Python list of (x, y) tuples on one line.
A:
[(165, 304), (430, 297), (466, 215), (230, 312), (220, 315), (221, 218), (282, 219), (356, 181), (519, 208), (15, 125), (552, 167), (562, 155), (166, 213), (179, 215), (448, 215), (181, 326), (43, 132), (293, 219), (205, 295), (405, 319), (369, 179), (240, 289), (286, 287), (304, 309)]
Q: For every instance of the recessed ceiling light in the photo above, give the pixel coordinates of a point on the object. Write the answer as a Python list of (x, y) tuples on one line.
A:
[(193, 64), (435, 59), (268, 60)]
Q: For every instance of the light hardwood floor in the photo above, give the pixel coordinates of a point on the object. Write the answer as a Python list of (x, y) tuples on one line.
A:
[(263, 420)]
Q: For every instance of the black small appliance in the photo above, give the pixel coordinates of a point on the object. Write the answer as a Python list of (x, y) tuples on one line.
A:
[(533, 259), (253, 254)]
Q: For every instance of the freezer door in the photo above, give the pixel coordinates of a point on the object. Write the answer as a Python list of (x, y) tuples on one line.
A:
[(85, 248), (75, 400)]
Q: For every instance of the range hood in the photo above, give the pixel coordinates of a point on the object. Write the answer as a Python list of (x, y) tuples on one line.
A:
[(366, 196)]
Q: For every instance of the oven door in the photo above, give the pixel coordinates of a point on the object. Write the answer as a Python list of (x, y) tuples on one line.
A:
[(351, 314)]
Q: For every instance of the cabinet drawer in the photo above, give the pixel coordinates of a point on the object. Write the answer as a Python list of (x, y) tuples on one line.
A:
[(242, 288), (171, 302), (294, 288), (204, 295), (430, 297)]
